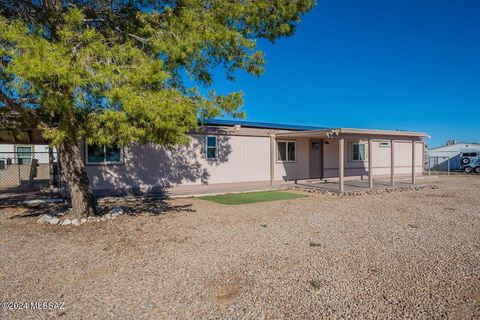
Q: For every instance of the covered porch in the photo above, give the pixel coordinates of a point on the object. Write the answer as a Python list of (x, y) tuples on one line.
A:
[(353, 159)]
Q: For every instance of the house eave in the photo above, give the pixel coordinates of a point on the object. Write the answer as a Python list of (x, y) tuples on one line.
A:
[(337, 132), (398, 133)]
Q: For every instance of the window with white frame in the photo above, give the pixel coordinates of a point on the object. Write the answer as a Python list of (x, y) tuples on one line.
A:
[(24, 154), (286, 151), (103, 154), (358, 151), (212, 149)]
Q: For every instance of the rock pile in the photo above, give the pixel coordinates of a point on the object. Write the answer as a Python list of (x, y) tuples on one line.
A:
[(417, 187), (111, 214)]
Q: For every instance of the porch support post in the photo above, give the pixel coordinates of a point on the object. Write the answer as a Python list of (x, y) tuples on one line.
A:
[(392, 163), (341, 164), (272, 159), (413, 161), (370, 164)]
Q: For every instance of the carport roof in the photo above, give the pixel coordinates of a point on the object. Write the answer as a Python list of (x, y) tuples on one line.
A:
[(333, 132)]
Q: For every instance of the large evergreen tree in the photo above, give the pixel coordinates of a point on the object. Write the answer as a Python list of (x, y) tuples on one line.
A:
[(112, 71)]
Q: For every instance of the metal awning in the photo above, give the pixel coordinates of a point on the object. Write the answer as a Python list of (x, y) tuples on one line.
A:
[(333, 133)]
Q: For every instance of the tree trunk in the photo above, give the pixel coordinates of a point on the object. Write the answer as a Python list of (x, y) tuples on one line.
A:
[(73, 169)]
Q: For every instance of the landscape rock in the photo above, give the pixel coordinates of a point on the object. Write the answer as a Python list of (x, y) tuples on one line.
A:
[(368, 192), (54, 220), (65, 222), (45, 218)]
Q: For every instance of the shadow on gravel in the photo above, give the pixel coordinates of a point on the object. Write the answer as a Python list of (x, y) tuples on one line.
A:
[(131, 207), (142, 206)]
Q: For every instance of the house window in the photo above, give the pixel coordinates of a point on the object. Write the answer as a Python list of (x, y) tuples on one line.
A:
[(286, 151), (385, 144), (103, 154), (212, 150), (24, 155), (358, 151)]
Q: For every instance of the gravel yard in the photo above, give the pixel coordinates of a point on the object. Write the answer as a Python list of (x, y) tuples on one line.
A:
[(413, 254)]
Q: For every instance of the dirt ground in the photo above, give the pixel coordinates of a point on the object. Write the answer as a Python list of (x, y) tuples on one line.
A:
[(413, 254)]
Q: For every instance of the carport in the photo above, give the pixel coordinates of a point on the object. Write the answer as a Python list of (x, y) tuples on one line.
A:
[(346, 154)]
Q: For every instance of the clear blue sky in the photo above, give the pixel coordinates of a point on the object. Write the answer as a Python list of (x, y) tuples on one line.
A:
[(410, 64)]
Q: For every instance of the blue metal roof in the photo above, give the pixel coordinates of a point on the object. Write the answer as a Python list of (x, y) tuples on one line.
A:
[(260, 125)]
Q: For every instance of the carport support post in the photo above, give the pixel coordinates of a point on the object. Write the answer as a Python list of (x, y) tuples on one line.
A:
[(370, 164), (392, 163), (341, 163), (413, 161)]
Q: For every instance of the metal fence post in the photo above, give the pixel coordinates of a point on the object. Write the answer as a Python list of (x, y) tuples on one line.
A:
[(50, 167), (448, 165), (15, 157)]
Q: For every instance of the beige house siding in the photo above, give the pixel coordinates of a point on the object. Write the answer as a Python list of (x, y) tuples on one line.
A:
[(381, 161), (300, 169), (244, 156), (152, 168)]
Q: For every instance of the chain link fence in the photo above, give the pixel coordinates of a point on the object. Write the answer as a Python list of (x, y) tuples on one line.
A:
[(446, 162), (26, 170), (439, 164)]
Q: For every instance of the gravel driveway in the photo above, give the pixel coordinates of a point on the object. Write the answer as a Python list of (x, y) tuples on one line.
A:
[(412, 254)]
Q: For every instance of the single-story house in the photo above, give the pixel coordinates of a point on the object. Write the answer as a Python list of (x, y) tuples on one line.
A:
[(230, 153)]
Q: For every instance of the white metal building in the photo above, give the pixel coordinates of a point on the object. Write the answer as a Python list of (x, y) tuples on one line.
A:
[(439, 158)]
